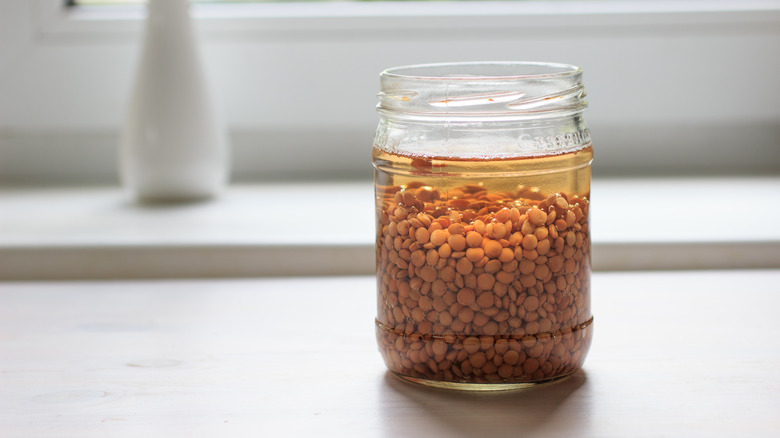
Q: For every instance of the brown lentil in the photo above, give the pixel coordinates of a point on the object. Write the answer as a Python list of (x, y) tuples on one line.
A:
[(492, 248), (438, 237), (457, 242), (473, 239)]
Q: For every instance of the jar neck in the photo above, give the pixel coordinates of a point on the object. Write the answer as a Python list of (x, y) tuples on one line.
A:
[(481, 138)]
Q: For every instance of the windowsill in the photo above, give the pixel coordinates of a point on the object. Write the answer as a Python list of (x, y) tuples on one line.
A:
[(327, 229)]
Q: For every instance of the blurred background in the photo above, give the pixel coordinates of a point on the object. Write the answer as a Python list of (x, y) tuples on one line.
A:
[(676, 88)]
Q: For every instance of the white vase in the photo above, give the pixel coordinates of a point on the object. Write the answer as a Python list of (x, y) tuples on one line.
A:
[(173, 146)]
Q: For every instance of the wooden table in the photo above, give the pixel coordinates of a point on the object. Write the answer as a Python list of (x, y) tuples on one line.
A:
[(678, 354)]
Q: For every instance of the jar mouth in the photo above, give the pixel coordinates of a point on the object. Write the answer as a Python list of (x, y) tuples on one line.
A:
[(483, 71), (475, 90)]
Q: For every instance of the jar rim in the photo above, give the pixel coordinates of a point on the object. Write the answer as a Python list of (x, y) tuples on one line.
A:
[(483, 71), (504, 90)]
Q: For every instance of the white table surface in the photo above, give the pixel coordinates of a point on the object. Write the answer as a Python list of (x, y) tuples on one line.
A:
[(677, 354), (328, 228)]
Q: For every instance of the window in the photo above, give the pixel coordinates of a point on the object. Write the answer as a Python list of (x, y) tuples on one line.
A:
[(299, 80)]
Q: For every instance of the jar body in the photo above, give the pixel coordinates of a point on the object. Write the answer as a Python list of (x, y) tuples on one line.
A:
[(483, 247)]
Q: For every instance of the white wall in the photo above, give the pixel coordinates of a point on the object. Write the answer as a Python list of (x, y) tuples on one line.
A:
[(674, 87)]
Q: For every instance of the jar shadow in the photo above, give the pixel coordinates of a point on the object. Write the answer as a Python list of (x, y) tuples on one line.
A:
[(556, 409)]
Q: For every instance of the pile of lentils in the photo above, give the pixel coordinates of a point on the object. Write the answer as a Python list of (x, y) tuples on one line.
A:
[(480, 287)]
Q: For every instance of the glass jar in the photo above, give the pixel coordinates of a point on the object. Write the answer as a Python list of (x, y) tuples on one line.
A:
[(482, 186)]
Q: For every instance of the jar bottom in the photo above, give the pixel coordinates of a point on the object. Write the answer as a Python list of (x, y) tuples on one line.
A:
[(484, 363), (482, 387)]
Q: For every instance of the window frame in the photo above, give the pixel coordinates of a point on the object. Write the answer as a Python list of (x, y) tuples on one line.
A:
[(309, 18)]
